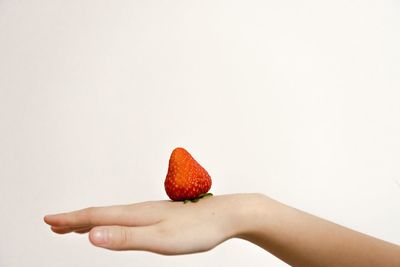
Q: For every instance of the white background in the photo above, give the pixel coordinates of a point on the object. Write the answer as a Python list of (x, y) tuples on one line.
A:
[(298, 100)]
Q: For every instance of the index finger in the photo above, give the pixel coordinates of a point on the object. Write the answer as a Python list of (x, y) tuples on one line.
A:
[(139, 214)]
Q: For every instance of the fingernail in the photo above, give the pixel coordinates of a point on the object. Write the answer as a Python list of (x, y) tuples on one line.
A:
[(100, 236)]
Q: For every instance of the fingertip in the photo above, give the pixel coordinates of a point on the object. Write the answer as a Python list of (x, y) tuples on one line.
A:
[(54, 230), (47, 218)]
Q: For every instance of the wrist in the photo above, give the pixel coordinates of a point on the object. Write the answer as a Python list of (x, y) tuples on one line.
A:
[(254, 215)]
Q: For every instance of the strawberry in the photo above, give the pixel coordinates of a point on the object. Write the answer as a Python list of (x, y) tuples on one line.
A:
[(186, 179)]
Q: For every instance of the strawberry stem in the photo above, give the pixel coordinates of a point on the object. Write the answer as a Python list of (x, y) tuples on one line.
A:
[(194, 200)]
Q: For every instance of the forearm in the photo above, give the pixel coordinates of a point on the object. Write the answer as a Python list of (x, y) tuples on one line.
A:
[(301, 239)]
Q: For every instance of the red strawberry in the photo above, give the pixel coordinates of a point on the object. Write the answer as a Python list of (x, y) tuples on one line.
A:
[(186, 179)]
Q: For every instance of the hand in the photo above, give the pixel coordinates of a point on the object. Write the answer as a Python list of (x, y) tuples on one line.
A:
[(171, 228), (163, 227)]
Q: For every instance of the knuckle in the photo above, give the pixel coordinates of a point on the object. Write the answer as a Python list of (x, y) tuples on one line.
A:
[(124, 238), (88, 213), (165, 232)]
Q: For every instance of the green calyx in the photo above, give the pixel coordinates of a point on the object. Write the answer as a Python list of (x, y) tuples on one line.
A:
[(197, 198)]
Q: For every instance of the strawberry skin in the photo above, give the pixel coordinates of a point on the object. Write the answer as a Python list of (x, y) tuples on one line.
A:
[(186, 179)]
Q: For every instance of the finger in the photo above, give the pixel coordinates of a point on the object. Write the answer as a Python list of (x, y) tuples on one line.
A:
[(126, 238), (86, 217), (139, 214), (83, 230), (66, 229)]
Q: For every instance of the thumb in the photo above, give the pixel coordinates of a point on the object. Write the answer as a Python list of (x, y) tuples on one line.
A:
[(124, 237)]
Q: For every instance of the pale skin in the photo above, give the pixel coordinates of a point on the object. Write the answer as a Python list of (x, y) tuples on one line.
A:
[(174, 228)]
